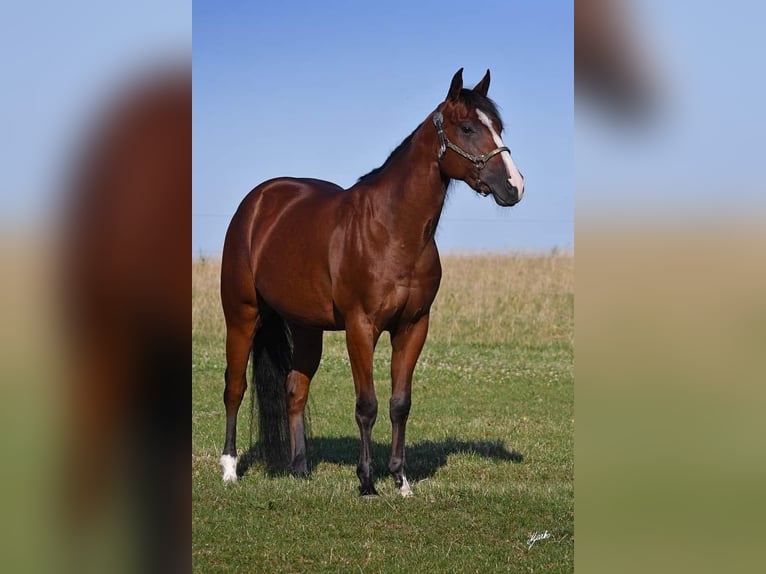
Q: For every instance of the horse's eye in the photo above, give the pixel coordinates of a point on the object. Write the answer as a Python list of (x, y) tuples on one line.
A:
[(466, 128)]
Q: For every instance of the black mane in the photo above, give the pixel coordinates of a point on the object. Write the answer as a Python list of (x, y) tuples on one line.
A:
[(472, 100), (405, 142)]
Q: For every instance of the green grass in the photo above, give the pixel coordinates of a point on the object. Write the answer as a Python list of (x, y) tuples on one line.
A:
[(489, 441)]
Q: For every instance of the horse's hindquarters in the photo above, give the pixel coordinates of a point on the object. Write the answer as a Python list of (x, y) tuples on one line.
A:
[(290, 225)]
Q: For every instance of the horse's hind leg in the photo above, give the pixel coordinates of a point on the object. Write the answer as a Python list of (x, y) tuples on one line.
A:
[(307, 352), (239, 340)]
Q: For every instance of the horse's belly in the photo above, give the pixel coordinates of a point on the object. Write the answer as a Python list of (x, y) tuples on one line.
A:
[(309, 317)]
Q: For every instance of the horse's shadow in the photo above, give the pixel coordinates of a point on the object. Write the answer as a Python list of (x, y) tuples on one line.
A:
[(423, 458)]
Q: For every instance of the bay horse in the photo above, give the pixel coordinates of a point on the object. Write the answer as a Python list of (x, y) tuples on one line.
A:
[(304, 256)]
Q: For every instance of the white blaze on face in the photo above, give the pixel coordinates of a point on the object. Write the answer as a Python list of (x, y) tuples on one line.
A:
[(513, 173)]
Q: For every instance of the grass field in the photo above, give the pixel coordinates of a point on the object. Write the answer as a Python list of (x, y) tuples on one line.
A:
[(490, 440)]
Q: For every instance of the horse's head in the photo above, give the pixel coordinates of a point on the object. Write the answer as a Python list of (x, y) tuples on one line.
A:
[(470, 149)]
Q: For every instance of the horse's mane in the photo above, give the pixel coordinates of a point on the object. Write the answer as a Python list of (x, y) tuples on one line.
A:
[(405, 142), (471, 99)]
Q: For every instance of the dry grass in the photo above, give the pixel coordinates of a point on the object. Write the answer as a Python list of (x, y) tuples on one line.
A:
[(491, 299), (482, 299), (207, 316)]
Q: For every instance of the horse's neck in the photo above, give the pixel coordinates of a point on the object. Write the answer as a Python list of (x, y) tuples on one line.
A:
[(409, 193)]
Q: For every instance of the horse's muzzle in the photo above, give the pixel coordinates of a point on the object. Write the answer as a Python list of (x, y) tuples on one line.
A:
[(509, 195)]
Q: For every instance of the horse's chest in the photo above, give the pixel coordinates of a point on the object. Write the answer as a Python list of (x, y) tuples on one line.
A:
[(405, 296), (387, 287)]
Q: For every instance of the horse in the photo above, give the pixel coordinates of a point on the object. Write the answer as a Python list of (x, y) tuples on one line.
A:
[(304, 256)]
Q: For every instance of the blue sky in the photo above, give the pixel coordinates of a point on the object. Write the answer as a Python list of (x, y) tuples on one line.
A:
[(328, 89)]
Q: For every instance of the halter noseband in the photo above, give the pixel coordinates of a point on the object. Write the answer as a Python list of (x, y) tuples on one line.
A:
[(478, 160)]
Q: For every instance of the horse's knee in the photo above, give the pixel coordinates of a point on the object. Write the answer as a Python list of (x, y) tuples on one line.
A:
[(366, 410), (399, 407)]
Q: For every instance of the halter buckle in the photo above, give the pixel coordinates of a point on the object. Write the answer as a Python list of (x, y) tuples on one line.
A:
[(438, 120)]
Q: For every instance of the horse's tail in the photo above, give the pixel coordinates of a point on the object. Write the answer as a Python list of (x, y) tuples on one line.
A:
[(272, 360)]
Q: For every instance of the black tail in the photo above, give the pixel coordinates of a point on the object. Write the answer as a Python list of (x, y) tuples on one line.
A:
[(272, 360)]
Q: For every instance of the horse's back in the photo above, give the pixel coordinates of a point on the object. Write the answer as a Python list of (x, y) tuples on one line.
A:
[(282, 202)]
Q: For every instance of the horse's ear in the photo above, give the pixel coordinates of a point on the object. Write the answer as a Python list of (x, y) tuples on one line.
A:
[(483, 86), (455, 86)]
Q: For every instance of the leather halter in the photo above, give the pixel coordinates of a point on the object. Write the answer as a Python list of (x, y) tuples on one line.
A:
[(478, 160)]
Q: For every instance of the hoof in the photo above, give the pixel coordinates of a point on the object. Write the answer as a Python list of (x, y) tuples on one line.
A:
[(405, 489), (299, 467), (368, 492), (229, 464)]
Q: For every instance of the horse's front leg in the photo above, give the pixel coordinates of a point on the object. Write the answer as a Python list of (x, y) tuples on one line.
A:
[(406, 342), (361, 338)]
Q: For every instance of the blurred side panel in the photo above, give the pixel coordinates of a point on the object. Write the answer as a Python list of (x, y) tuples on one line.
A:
[(126, 293), (671, 277), (94, 249)]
